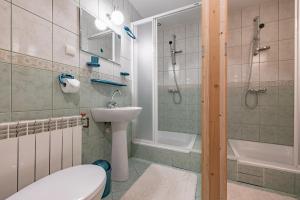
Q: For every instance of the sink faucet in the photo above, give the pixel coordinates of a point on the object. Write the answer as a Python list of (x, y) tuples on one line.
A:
[(112, 103)]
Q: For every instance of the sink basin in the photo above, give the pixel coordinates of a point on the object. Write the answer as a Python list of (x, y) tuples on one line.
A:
[(118, 114), (119, 118)]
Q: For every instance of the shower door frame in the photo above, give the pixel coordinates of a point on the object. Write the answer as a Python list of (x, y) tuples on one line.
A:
[(134, 74), (152, 19), (297, 86)]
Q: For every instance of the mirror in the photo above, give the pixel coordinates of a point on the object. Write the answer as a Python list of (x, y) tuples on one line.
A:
[(105, 44)]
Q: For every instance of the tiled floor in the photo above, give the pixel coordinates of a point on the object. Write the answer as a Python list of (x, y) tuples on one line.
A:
[(136, 169)]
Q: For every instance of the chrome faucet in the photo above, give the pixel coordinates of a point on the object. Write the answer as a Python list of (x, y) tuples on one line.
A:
[(112, 103)]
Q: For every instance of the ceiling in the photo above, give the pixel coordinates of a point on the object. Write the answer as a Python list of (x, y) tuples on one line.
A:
[(185, 17), (147, 8)]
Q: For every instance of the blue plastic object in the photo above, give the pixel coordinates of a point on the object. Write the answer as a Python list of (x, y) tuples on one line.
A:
[(107, 167), (63, 76), (124, 74), (94, 62), (129, 32), (107, 82)]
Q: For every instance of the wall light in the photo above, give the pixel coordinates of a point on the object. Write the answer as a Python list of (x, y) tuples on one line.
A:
[(117, 17)]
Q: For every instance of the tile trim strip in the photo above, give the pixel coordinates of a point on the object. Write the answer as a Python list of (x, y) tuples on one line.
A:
[(5, 56)]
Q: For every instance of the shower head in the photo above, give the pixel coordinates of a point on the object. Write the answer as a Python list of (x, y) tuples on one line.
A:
[(257, 27), (170, 42), (257, 21)]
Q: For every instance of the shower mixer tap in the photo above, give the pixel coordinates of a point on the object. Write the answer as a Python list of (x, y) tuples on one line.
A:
[(173, 53), (259, 49), (256, 91), (171, 90), (255, 49), (173, 50)]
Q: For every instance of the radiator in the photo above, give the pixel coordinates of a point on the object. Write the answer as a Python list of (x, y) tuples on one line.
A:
[(31, 150)]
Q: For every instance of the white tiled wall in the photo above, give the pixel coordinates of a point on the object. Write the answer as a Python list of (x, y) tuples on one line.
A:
[(188, 66), (61, 39), (31, 34), (274, 64), (42, 8), (66, 14), (44, 28), (5, 25)]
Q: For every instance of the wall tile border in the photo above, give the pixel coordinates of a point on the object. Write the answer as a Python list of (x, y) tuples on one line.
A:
[(5, 56), (58, 67), (30, 61)]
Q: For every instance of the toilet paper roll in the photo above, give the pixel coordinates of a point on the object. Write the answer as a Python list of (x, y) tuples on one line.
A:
[(71, 86)]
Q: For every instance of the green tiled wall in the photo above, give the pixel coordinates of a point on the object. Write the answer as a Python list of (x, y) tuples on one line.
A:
[(30, 93), (271, 121), (281, 181), (189, 161), (182, 118)]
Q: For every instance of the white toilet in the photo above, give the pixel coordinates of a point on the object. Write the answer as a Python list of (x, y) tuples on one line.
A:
[(82, 182)]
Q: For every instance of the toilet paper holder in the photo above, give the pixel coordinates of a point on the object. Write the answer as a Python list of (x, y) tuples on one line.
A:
[(63, 76), (68, 83)]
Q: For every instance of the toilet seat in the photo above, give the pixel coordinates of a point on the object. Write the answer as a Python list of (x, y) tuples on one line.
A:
[(82, 182)]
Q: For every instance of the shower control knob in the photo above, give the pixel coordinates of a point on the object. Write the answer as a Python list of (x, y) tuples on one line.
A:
[(262, 25), (264, 90), (172, 90)]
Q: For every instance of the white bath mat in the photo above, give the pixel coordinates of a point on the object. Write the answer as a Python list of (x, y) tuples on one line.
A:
[(163, 183), (241, 192)]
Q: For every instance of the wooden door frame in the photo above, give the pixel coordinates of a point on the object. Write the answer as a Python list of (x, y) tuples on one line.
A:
[(214, 84)]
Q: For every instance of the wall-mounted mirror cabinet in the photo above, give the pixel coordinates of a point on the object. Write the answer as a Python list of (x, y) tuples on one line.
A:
[(105, 44)]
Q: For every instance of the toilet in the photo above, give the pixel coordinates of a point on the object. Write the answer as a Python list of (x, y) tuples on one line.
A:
[(82, 182)]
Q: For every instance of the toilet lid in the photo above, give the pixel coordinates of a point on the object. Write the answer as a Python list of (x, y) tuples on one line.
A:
[(79, 182)]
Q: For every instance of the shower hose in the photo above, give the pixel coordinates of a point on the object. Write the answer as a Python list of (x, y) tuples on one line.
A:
[(176, 101)]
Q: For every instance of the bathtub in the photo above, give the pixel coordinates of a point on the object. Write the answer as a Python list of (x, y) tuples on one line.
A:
[(258, 154), (182, 142)]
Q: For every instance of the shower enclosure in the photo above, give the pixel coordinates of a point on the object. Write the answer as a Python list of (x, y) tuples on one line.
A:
[(166, 70), (263, 92)]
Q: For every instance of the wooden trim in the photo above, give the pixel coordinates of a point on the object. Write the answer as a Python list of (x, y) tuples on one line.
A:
[(214, 74)]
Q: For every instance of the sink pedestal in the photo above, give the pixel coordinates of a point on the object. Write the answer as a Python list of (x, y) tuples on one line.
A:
[(119, 155), (119, 118)]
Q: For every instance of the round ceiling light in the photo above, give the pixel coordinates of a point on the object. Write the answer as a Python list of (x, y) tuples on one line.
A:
[(117, 17)]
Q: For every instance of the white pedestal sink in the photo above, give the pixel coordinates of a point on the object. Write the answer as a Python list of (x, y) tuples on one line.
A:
[(119, 118)]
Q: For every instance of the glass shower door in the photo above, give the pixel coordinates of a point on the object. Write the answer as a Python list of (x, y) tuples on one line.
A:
[(143, 73)]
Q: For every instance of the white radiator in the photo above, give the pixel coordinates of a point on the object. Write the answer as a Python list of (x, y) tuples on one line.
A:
[(31, 150)]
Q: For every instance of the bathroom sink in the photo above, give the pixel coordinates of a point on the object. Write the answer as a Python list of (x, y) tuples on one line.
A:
[(119, 118), (118, 114)]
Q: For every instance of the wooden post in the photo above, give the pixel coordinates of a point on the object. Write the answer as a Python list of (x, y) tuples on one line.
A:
[(214, 138)]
